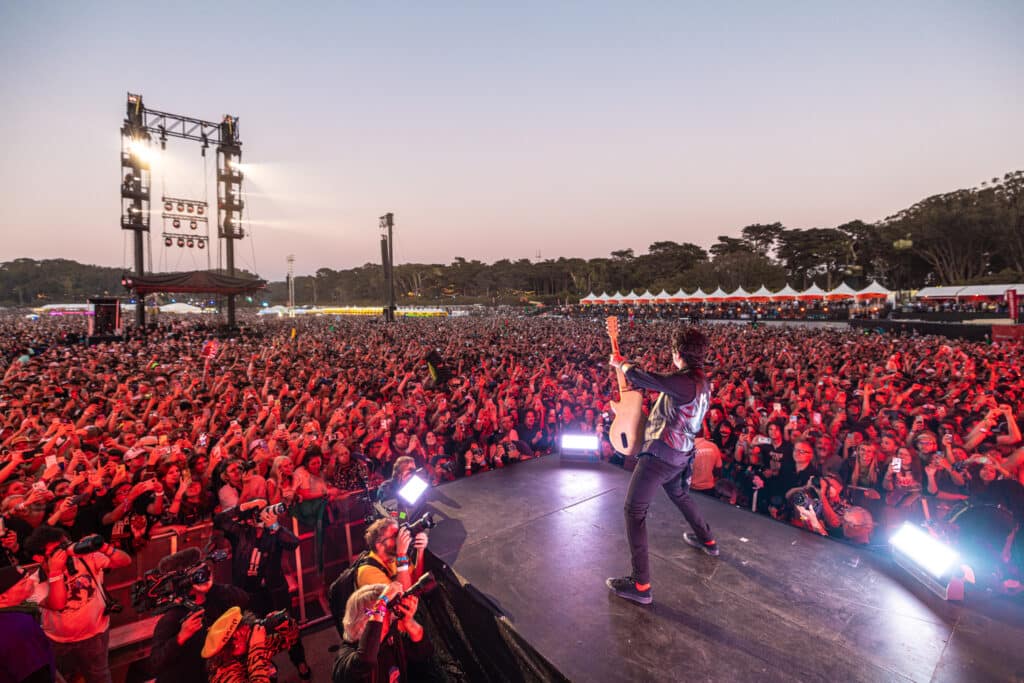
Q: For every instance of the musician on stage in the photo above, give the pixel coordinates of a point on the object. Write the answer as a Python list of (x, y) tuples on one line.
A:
[(666, 458)]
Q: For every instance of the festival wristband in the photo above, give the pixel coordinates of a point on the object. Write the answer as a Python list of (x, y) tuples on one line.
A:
[(402, 568), (55, 578), (402, 559)]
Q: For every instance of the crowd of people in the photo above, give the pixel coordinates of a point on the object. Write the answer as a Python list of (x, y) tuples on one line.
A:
[(830, 430)]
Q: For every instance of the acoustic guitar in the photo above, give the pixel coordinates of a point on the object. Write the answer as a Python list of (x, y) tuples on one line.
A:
[(627, 430)]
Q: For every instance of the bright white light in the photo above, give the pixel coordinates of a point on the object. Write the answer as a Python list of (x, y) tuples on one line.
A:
[(934, 557), (579, 442), (413, 489)]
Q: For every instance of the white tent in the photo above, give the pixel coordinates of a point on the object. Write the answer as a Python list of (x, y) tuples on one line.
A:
[(740, 293), (662, 297), (180, 307), (874, 291), (680, 296), (699, 295), (616, 299), (645, 298), (843, 291), (761, 293), (786, 292), (961, 291), (812, 292), (632, 297), (717, 295), (588, 299), (603, 299)]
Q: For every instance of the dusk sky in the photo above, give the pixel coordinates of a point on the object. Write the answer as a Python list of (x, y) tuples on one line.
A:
[(568, 129)]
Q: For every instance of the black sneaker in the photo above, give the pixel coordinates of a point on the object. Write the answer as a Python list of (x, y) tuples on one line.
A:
[(709, 548), (626, 588)]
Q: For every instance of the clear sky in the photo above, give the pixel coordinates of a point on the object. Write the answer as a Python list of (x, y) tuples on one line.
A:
[(497, 130)]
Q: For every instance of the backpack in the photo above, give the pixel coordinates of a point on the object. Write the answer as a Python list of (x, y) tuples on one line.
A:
[(345, 585)]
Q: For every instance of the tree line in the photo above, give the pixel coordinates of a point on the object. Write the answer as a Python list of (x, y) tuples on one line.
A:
[(965, 236)]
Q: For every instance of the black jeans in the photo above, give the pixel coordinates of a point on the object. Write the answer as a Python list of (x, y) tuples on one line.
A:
[(650, 473)]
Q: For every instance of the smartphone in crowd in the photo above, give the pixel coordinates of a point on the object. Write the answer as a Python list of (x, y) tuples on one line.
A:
[(777, 407), (816, 419), (897, 465)]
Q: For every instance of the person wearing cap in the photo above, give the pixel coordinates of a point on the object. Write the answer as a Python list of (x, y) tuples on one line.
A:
[(26, 655), (238, 648), (176, 653)]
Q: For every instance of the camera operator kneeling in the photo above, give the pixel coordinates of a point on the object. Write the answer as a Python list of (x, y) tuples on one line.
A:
[(179, 635), (382, 636), (241, 649)]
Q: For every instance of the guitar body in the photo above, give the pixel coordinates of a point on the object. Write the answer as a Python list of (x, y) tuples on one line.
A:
[(626, 432)]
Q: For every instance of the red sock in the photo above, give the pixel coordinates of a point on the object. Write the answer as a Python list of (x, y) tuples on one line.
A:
[(643, 586)]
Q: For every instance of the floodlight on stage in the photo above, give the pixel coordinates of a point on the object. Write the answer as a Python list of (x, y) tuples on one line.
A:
[(181, 242), (176, 223), (928, 560), (168, 206), (412, 490), (181, 207), (168, 242), (191, 208), (200, 210), (579, 442), (201, 244), (190, 243), (193, 224), (931, 554)]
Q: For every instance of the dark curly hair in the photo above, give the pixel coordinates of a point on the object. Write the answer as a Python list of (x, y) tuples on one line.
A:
[(691, 344)]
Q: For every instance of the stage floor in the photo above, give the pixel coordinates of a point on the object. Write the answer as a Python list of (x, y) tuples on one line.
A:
[(540, 538)]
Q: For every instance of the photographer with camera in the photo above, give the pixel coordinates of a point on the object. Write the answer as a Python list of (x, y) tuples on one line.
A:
[(240, 648), (381, 635), (179, 635), (257, 542), (76, 613), (388, 558), (26, 655)]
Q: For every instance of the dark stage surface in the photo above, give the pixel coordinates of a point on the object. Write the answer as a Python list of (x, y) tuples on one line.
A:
[(540, 538)]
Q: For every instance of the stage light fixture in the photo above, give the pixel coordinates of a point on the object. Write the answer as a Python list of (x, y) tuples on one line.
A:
[(200, 210), (579, 442), (930, 561), (181, 207), (927, 552), (176, 223), (168, 206), (201, 244), (181, 242), (193, 224), (168, 242), (191, 244), (191, 208), (412, 490)]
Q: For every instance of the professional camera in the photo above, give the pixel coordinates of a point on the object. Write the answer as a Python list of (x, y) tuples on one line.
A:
[(422, 524), (425, 585), (159, 590), (275, 620), (255, 512)]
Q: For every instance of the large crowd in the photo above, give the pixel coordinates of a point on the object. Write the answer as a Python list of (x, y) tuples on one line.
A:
[(841, 433)]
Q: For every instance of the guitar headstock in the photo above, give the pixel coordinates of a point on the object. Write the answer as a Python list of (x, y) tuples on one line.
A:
[(611, 323)]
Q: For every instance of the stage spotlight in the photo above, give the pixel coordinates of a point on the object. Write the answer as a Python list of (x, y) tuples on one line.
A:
[(168, 242), (579, 446), (191, 208), (928, 560), (181, 242), (168, 206), (176, 223), (190, 244), (413, 489), (201, 244), (181, 207), (200, 210), (193, 224)]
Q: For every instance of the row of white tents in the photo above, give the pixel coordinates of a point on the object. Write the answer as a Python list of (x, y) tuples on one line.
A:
[(874, 291)]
